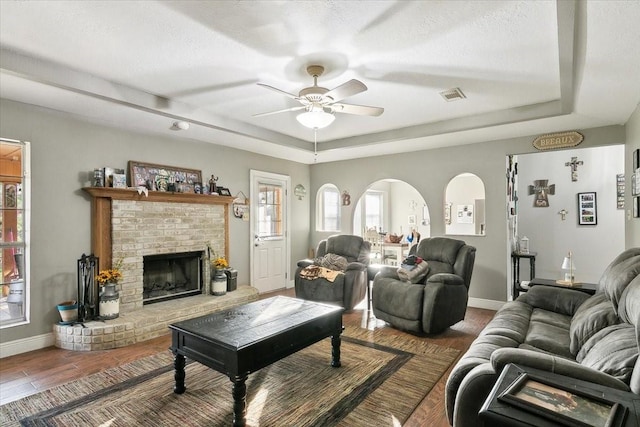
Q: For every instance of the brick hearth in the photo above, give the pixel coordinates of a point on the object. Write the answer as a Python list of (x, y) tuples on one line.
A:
[(150, 322)]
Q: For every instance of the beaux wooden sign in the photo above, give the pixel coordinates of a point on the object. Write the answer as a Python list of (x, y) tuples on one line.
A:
[(553, 141)]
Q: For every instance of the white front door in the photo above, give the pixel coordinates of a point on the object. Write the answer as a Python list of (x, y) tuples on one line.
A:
[(269, 225)]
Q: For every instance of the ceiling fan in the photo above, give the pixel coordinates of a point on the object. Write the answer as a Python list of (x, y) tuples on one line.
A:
[(320, 103)]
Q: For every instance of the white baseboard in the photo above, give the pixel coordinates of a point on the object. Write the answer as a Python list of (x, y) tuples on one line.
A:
[(488, 304), (24, 345)]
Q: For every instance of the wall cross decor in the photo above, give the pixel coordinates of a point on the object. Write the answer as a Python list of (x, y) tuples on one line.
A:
[(541, 189), (574, 163)]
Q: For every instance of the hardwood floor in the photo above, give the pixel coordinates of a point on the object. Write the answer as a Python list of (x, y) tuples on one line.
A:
[(29, 373)]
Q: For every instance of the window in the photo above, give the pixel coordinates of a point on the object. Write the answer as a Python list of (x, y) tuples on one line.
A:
[(328, 208), (373, 208), (270, 211), (14, 232)]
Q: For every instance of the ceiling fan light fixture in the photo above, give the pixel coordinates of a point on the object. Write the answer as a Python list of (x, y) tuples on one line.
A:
[(315, 119)]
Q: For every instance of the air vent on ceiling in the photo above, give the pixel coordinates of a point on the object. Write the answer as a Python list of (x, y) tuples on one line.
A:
[(453, 94)]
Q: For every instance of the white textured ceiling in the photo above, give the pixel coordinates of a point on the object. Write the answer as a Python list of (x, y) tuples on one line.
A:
[(526, 67)]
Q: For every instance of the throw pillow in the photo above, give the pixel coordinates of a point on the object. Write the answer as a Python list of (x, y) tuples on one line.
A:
[(416, 274), (613, 350), (332, 262), (593, 315)]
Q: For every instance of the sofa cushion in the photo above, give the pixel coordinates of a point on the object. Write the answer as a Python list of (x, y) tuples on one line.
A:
[(613, 350), (618, 276), (559, 300), (593, 315), (332, 262), (549, 331), (629, 307)]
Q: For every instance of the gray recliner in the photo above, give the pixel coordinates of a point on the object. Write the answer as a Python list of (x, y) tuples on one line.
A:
[(349, 287), (437, 301)]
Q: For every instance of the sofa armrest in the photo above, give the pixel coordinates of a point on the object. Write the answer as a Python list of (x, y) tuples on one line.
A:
[(305, 263), (358, 266), (388, 271), (446, 279), (558, 300), (555, 364)]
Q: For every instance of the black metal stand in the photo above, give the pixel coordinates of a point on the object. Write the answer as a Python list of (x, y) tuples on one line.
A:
[(88, 266)]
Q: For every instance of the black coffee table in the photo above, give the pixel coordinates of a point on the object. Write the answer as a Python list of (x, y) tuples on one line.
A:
[(246, 338)]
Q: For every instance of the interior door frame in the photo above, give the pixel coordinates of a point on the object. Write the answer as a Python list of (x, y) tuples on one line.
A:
[(254, 176)]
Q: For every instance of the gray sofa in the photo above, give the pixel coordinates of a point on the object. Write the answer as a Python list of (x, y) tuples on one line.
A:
[(349, 288), (436, 300), (593, 338)]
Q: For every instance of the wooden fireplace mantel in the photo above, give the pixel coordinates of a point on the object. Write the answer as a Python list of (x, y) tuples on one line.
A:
[(101, 198)]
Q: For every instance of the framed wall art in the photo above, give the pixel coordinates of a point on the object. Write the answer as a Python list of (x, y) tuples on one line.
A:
[(163, 178), (620, 187), (587, 209), (560, 404)]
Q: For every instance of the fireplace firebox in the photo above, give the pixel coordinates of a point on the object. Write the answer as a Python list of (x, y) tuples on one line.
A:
[(170, 276)]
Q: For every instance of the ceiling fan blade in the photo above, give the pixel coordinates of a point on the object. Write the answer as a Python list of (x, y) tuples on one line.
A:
[(290, 95), (350, 88), (360, 110), (302, 107)]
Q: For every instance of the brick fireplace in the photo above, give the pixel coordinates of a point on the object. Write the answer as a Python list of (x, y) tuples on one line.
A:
[(128, 226), (142, 228)]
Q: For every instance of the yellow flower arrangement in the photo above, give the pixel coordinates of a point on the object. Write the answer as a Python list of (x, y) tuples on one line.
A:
[(219, 263), (110, 275)]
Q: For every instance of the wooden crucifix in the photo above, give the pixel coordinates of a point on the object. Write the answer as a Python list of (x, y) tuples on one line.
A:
[(574, 163)]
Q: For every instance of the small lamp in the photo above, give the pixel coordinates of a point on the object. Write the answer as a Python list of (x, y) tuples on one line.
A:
[(568, 268)]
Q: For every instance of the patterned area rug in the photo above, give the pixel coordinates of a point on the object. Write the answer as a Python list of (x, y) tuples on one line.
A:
[(378, 384)]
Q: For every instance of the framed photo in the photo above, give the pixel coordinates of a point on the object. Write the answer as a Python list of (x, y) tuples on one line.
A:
[(163, 178), (562, 405), (223, 191), (411, 220), (587, 209), (636, 207)]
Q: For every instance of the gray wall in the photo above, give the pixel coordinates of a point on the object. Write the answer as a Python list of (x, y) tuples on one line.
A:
[(632, 225), (550, 236), (63, 150), (429, 172)]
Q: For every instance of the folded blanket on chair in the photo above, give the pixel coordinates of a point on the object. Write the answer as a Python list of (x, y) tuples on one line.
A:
[(416, 274), (314, 272)]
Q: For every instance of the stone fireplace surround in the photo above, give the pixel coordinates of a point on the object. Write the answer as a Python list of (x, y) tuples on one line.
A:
[(127, 226)]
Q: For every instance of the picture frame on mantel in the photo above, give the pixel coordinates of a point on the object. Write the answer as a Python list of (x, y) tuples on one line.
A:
[(587, 209), (163, 178)]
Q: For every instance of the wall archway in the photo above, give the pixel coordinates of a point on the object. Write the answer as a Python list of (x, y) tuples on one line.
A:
[(464, 206)]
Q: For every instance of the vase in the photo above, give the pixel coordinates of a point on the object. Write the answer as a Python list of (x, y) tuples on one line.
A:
[(68, 311), (109, 301), (219, 282)]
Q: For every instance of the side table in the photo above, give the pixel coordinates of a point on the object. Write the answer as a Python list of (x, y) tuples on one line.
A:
[(589, 288), (570, 396), (515, 260)]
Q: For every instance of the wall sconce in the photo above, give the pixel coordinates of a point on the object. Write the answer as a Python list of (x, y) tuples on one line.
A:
[(299, 191), (563, 213)]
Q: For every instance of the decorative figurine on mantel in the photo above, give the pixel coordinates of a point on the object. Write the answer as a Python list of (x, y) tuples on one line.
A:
[(212, 185)]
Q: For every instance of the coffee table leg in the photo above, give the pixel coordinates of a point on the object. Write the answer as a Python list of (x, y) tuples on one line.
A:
[(335, 350), (179, 375), (239, 392)]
